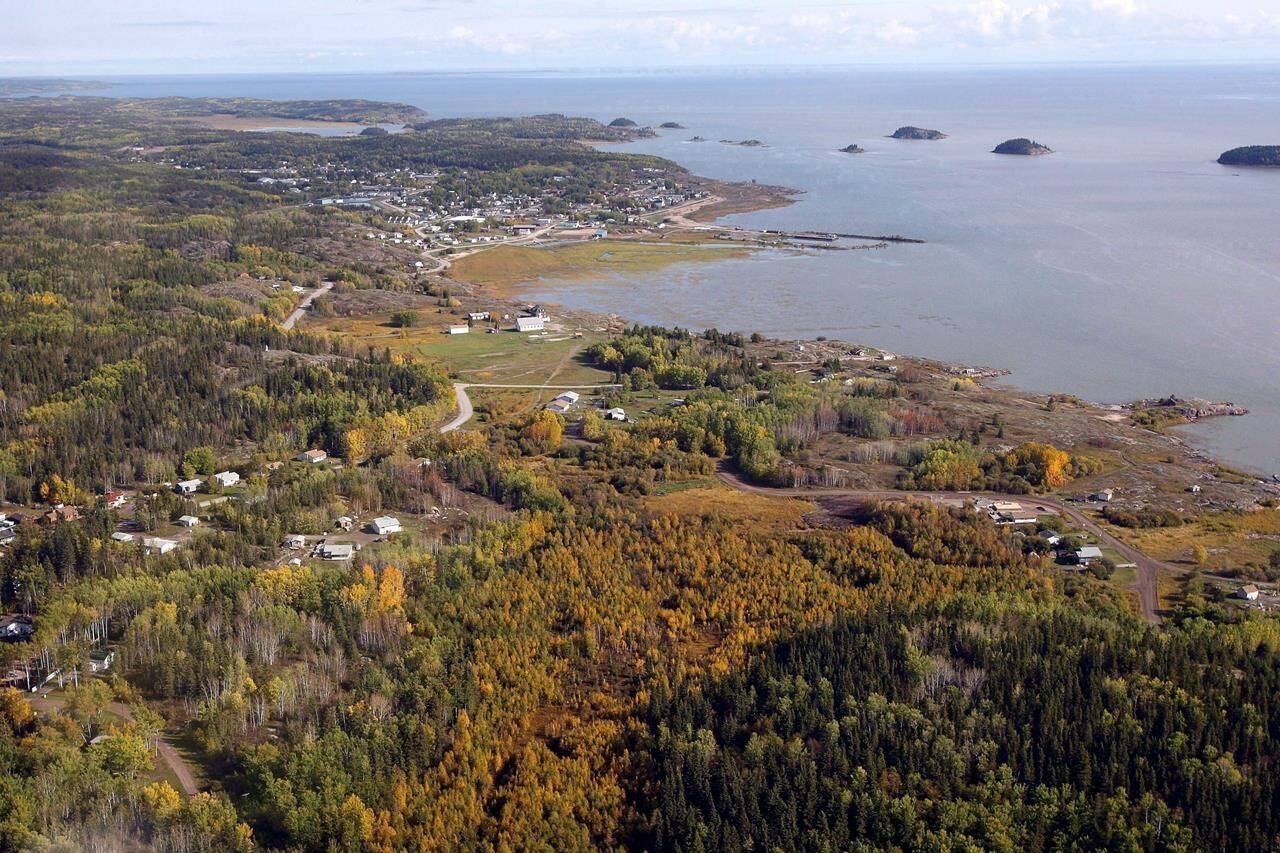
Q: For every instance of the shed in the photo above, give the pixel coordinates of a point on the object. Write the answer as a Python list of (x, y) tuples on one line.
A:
[(188, 521)]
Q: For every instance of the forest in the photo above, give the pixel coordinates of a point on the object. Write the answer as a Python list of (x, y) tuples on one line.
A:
[(607, 647)]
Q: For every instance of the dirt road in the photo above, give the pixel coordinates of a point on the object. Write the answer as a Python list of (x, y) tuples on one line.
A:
[(1148, 567), (293, 318)]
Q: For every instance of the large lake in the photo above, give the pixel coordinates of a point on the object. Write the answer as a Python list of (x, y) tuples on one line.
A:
[(1126, 264)]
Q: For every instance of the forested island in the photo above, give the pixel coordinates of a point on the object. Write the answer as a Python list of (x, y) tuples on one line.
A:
[(1251, 155), (1022, 146), (853, 148), (671, 125), (910, 132), (307, 545)]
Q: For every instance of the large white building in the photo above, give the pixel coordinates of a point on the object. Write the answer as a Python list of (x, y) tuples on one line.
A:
[(531, 324), (385, 525)]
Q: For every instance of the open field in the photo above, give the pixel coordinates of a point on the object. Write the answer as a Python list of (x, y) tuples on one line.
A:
[(504, 266), (744, 507), (1233, 540)]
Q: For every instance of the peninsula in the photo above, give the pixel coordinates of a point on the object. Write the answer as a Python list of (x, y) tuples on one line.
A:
[(1252, 155), (910, 132), (1023, 146)]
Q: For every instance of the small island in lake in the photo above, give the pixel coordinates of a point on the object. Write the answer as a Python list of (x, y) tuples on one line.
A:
[(1022, 146), (374, 131), (622, 122), (853, 148), (1252, 155), (697, 139), (671, 125), (909, 132), (745, 143)]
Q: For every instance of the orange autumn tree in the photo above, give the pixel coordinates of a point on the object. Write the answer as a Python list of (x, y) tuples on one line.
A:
[(378, 599)]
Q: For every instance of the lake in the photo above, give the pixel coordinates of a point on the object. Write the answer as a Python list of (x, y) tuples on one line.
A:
[(1126, 264)]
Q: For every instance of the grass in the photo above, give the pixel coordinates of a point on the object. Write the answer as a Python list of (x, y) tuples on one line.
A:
[(1232, 539), (507, 265), (724, 502)]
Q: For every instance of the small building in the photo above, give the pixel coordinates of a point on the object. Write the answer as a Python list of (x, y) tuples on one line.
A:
[(1249, 592), (188, 487), (1195, 490), (617, 413), (188, 521), (1087, 554), (59, 514), (312, 457), (227, 478), (121, 536), (114, 499), (15, 629), (478, 316), (156, 545), (385, 525), (335, 550), (345, 522), (1104, 495), (531, 324), (295, 542), (100, 660), (458, 330)]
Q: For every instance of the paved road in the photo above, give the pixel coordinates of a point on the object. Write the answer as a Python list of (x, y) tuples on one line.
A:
[(1148, 567), (305, 304), (168, 754), (465, 409)]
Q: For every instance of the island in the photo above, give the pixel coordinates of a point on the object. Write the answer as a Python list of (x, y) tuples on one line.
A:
[(853, 148), (1252, 155), (374, 131), (622, 122), (697, 139), (745, 143), (671, 125), (909, 132), (1022, 146)]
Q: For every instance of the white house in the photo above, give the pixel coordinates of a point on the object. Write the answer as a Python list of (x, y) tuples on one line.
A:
[(458, 330), (1248, 592), (617, 413), (344, 522), (188, 521), (478, 316), (100, 660), (336, 551), (531, 324), (1087, 554), (121, 536), (189, 487), (385, 525), (156, 545), (227, 478), (295, 541), (1104, 495), (312, 456)]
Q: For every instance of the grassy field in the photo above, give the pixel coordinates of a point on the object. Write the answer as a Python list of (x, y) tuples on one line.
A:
[(724, 502), (1232, 539), (507, 265)]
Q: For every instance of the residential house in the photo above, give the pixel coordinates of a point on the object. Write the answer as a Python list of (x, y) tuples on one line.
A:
[(121, 536), (345, 522), (189, 487), (458, 330), (335, 550), (312, 456), (188, 521), (100, 660), (1087, 554), (59, 514), (115, 500), (156, 545), (1249, 592), (295, 542), (617, 413), (227, 478), (15, 629), (531, 324)]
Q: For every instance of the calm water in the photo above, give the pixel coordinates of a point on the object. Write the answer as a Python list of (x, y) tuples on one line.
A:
[(1126, 264)]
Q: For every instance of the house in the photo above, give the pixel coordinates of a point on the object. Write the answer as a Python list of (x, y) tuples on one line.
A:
[(227, 478), (458, 330), (385, 525), (188, 487), (312, 456), (15, 629), (188, 521), (1087, 554), (335, 551), (59, 514), (478, 316), (115, 500), (1053, 539), (1248, 592), (121, 536), (156, 545), (531, 324), (295, 542), (344, 522), (617, 413), (1195, 490), (100, 660), (1104, 495)]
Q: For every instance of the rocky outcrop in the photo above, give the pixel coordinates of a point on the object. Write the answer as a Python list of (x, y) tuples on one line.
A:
[(909, 132), (1023, 146), (853, 148)]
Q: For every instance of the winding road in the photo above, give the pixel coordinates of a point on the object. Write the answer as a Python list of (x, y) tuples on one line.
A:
[(1148, 567)]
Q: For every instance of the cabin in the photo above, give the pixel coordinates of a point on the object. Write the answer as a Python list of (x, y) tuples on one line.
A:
[(1104, 495), (188, 487), (59, 514), (531, 324), (227, 478), (100, 660), (385, 525), (344, 522), (115, 500), (311, 457), (617, 413), (121, 536), (188, 521), (1249, 592), (295, 542), (1087, 554)]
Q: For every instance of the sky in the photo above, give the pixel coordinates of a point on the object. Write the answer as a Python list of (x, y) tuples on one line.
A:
[(85, 37)]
